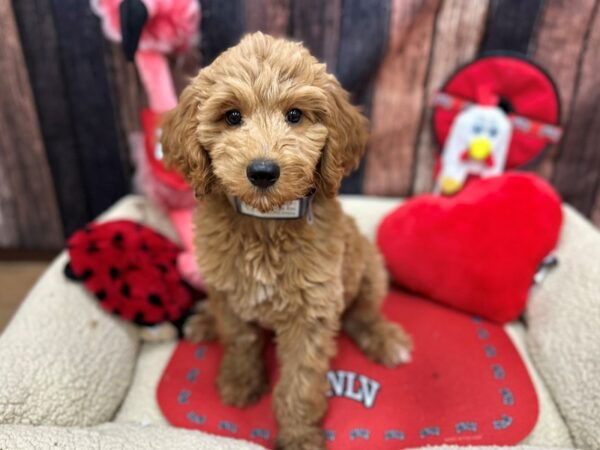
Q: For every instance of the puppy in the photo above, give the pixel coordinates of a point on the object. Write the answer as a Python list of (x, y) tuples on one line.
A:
[(264, 136)]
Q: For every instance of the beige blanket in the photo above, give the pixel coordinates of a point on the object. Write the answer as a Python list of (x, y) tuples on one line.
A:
[(65, 362)]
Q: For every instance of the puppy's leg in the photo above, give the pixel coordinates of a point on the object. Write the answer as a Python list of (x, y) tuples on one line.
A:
[(304, 348), (242, 378), (201, 325), (382, 341)]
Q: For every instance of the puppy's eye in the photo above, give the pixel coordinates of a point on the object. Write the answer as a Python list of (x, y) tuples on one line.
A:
[(294, 115), (233, 117)]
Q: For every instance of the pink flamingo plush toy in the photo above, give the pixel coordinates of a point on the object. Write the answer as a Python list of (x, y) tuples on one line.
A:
[(148, 31)]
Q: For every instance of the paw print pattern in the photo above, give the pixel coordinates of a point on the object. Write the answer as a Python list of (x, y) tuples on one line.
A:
[(183, 397), (498, 372), (192, 375), (429, 431), (361, 433), (490, 351), (462, 427), (393, 435), (200, 352), (502, 423), (195, 418), (507, 397), (229, 426), (260, 433)]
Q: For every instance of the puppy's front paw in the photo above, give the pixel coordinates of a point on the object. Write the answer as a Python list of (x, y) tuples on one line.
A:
[(387, 344), (201, 325), (241, 384), (301, 438)]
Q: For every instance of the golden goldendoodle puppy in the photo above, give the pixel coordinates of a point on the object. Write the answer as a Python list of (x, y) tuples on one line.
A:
[(264, 136)]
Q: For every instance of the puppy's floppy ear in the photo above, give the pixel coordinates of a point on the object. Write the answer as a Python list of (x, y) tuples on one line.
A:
[(346, 140), (180, 142)]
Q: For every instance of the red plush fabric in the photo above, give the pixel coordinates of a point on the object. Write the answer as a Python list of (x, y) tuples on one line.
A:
[(489, 79), (131, 270), (466, 384), (478, 250), (151, 124)]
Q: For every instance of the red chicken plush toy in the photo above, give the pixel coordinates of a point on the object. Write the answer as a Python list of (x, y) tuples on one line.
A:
[(477, 246)]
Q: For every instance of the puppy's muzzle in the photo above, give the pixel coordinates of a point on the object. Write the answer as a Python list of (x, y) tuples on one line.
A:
[(262, 173)]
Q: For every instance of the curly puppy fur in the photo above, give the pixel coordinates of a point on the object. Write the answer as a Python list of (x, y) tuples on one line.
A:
[(303, 281)]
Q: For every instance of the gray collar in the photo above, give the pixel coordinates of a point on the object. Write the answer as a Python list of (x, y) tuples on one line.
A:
[(296, 209)]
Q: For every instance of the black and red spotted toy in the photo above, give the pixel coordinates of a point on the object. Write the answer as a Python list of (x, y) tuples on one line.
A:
[(131, 270)]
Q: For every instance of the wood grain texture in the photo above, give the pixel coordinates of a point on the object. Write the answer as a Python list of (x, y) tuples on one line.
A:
[(40, 46), (458, 32), (94, 119), (128, 91), (9, 224), (364, 33), (29, 216), (222, 26), (269, 16), (595, 216), (120, 88), (183, 67), (577, 169), (558, 45), (511, 24), (317, 24), (129, 98), (398, 97)]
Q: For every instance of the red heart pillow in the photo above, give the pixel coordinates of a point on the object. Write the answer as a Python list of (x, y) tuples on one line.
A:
[(478, 250)]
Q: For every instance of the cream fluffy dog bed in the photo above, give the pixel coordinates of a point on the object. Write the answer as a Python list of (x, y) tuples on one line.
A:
[(71, 376)]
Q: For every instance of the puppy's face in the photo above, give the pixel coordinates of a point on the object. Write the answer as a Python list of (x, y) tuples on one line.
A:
[(264, 133), (266, 123)]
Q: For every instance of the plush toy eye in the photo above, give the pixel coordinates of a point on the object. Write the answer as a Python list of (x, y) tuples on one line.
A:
[(493, 132), (477, 128), (294, 115), (233, 117)]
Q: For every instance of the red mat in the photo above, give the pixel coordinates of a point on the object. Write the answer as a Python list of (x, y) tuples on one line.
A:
[(465, 385)]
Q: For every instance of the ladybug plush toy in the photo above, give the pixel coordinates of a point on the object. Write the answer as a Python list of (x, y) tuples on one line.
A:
[(131, 270)]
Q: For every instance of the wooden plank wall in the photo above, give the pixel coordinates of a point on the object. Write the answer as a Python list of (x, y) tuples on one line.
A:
[(95, 124), (564, 26), (456, 39), (222, 25), (510, 25), (577, 172), (567, 45), (74, 88), (40, 46), (398, 100), (357, 57), (82, 100), (269, 16), (29, 216)]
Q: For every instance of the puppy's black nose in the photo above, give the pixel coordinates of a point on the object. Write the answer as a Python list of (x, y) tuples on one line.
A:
[(262, 173)]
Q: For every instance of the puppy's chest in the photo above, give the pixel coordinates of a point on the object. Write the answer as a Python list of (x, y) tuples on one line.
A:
[(265, 275)]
